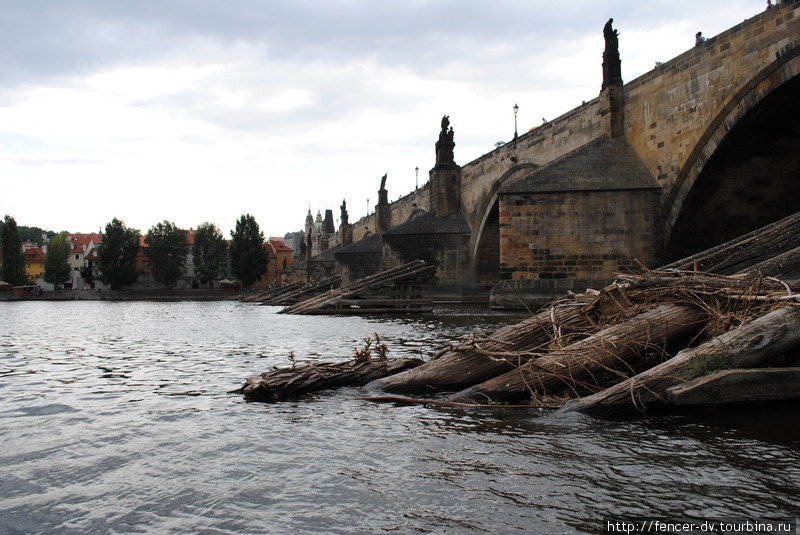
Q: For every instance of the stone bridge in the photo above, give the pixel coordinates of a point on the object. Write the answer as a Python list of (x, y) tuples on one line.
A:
[(701, 149)]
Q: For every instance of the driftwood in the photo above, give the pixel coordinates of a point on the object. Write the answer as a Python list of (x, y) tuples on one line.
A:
[(395, 290), (283, 383), (745, 346), (504, 350), (609, 350)]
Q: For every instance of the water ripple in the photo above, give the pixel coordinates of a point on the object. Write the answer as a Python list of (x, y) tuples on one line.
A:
[(118, 421)]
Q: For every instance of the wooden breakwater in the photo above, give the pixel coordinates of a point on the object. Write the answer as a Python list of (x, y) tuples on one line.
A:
[(649, 341), (402, 289)]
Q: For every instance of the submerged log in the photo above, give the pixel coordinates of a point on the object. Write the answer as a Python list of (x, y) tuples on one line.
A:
[(610, 349), (745, 346), (283, 383), (504, 350), (736, 386)]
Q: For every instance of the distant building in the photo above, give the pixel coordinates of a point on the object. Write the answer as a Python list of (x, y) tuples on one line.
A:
[(34, 263), (279, 259)]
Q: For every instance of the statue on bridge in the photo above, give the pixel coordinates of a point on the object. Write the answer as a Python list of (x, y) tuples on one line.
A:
[(445, 146), (612, 66), (344, 217), (611, 36)]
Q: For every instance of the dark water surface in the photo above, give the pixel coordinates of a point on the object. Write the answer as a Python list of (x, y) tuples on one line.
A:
[(114, 418)]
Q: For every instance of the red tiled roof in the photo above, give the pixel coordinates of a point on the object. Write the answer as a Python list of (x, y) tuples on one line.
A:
[(34, 255), (280, 246), (84, 239)]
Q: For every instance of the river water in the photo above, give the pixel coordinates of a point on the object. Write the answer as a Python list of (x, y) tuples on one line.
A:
[(115, 418)]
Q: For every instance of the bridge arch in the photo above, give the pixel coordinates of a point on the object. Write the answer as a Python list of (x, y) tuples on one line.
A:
[(753, 128), (416, 212), (486, 231)]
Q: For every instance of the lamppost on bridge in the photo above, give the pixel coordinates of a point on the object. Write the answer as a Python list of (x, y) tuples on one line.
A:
[(516, 109), (416, 183)]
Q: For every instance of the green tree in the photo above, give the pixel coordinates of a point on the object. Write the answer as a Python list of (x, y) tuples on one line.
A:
[(56, 263), (166, 248), (116, 256), (13, 258), (248, 257), (209, 251), (36, 235)]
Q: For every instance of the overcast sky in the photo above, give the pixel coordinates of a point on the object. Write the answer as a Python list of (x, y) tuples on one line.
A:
[(202, 110)]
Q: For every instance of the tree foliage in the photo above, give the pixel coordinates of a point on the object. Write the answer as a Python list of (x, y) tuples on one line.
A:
[(166, 249), (208, 251), (248, 257), (56, 264), (32, 234), (13, 258), (116, 256)]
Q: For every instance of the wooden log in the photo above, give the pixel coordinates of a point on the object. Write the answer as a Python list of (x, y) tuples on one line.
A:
[(327, 302), (737, 386), (476, 362), (739, 254), (610, 349), (305, 291), (271, 293), (745, 346), (786, 265), (283, 383)]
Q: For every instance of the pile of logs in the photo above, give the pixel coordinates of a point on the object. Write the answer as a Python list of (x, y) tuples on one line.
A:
[(297, 292), (613, 349), (716, 327), (272, 293), (647, 341), (402, 289)]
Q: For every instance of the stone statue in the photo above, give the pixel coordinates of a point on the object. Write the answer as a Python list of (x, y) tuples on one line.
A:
[(611, 36), (445, 145), (383, 183), (612, 66), (344, 217)]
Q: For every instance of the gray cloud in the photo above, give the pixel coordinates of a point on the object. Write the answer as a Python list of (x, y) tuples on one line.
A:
[(52, 38)]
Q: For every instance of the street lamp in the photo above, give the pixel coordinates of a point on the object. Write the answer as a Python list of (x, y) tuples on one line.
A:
[(516, 109), (416, 170)]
